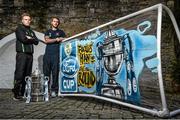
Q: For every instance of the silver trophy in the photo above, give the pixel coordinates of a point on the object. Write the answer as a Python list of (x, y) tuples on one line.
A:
[(27, 93), (46, 93), (112, 60), (36, 89)]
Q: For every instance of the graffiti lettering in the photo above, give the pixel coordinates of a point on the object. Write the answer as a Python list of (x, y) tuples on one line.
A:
[(85, 54), (85, 49), (86, 58), (69, 66), (86, 78), (68, 84)]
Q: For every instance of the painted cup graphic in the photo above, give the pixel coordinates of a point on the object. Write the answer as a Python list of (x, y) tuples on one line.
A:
[(112, 59)]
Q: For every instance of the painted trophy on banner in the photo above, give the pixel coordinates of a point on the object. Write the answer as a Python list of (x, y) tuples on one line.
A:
[(112, 51), (118, 49)]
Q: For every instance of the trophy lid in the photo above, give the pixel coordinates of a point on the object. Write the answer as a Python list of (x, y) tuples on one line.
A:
[(110, 37), (36, 72), (110, 33)]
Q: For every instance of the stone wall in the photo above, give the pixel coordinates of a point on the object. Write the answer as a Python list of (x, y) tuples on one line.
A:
[(76, 15), (170, 50), (80, 15)]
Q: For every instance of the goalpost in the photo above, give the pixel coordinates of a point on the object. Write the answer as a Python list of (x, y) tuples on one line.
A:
[(129, 93)]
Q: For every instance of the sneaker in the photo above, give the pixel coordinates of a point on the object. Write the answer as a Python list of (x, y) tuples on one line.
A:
[(17, 98), (53, 94), (24, 97)]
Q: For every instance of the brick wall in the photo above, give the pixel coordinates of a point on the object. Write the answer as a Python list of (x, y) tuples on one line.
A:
[(76, 15)]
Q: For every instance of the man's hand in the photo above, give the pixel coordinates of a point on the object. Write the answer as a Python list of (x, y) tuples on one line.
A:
[(59, 39), (49, 40)]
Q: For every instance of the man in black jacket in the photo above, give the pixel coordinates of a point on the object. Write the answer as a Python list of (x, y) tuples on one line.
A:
[(25, 38)]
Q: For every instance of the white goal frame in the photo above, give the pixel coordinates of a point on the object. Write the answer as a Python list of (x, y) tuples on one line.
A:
[(164, 112)]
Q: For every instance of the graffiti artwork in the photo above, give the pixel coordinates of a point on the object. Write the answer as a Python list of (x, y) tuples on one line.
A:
[(69, 68), (108, 62), (119, 62)]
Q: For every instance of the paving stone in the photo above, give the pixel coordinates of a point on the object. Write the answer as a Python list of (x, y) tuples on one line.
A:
[(68, 108), (105, 116), (127, 115), (138, 116), (98, 107), (93, 116), (116, 116), (82, 116)]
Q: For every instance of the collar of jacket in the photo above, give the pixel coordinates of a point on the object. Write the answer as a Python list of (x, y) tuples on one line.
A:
[(23, 26)]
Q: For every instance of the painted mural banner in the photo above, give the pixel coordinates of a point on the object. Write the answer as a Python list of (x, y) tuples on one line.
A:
[(118, 62), (108, 62)]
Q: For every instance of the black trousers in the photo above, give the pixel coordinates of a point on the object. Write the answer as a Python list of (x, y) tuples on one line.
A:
[(23, 68), (51, 65)]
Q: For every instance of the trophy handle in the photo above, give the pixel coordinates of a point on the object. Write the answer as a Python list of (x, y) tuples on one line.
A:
[(27, 93), (98, 52), (46, 93), (147, 25), (99, 69)]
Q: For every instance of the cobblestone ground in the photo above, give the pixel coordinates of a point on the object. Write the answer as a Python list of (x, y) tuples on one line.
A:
[(66, 108)]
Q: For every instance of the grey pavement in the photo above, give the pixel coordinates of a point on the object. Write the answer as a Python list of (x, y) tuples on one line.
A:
[(66, 108)]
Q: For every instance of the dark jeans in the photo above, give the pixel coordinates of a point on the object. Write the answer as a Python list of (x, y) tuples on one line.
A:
[(23, 68), (51, 65)]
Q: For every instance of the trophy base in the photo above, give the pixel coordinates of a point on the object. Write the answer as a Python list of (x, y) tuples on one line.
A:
[(113, 90), (37, 97)]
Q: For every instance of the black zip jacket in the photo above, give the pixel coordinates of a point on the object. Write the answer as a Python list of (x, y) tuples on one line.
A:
[(23, 44)]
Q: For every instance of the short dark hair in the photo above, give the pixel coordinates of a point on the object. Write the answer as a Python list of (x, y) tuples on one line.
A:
[(55, 18), (25, 14)]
